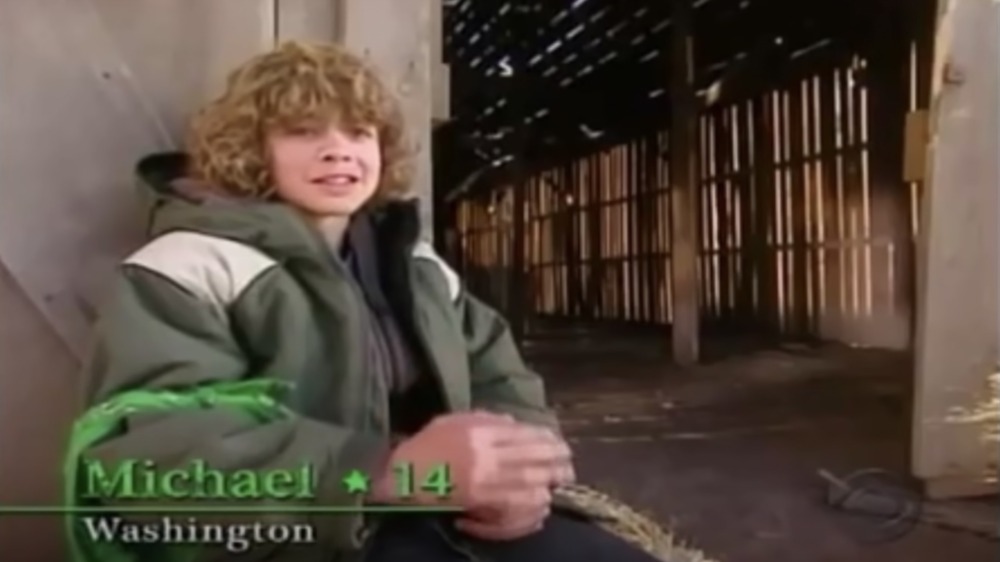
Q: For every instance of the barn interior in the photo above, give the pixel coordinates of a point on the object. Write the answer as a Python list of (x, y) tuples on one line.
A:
[(702, 219), (751, 245), (783, 123)]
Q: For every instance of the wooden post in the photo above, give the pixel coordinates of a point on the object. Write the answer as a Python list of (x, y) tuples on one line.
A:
[(684, 206), (396, 38), (957, 301), (763, 220), (519, 20)]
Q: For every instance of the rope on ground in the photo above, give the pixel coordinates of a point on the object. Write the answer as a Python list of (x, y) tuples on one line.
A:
[(631, 525)]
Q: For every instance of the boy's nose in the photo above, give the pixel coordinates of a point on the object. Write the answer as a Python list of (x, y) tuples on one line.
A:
[(334, 155)]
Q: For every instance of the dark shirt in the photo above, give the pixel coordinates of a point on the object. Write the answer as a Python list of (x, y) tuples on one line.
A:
[(391, 350)]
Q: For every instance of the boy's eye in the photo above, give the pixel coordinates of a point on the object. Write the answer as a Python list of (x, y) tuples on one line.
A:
[(302, 131), (363, 132)]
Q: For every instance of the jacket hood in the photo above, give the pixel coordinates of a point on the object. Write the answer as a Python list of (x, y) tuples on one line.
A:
[(184, 203)]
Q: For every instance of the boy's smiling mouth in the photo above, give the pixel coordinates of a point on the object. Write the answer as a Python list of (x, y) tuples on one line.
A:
[(337, 180)]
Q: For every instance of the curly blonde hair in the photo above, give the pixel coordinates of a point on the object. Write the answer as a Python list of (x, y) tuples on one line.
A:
[(294, 84)]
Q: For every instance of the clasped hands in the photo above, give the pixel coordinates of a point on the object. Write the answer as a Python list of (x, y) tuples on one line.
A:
[(503, 471)]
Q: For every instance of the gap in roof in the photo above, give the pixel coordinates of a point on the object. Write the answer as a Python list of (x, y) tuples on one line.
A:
[(814, 47), (650, 55), (576, 30)]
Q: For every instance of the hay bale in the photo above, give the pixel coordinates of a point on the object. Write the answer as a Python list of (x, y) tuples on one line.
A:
[(633, 526), (985, 415), (988, 411)]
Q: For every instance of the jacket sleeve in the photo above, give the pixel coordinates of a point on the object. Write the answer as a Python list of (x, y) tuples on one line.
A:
[(156, 334), (501, 381)]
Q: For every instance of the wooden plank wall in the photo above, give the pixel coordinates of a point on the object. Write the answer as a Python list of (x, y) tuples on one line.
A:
[(786, 220)]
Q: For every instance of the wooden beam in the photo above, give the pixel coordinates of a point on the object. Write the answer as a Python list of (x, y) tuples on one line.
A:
[(518, 21), (683, 188), (396, 38), (957, 299)]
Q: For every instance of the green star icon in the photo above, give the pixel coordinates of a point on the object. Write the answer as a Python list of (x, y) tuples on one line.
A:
[(356, 482)]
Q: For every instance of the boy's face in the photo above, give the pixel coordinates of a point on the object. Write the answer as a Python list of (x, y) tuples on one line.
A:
[(325, 170)]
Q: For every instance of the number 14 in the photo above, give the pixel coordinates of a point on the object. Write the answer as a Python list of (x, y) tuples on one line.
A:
[(437, 481)]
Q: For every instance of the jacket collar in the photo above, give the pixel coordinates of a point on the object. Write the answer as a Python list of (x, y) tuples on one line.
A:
[(275, 228)]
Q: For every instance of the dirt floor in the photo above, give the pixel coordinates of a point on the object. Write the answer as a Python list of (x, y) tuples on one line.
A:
[(728, 453)]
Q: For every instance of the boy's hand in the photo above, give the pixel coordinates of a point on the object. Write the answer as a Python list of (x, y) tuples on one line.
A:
[(496, 464), (506, 525), (520, 516)]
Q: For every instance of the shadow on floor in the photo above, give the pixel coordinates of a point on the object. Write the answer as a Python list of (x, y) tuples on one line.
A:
[(728, 452)]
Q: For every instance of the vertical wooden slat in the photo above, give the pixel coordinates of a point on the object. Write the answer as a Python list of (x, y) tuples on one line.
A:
[(538, 287), (565, 227), (635, 252), (604, 280), (631, 221), (799, 320), (518, 303), (710, 214), (646, 225), (665, 220), (776, 228), (725, 216), (616, 233), (653, 227), (828, 234), (816, 206), (853, 206), (596, 264), (704, 222), (576, 241), (763, 133), (842, 237), (745, 186), (784, 220)]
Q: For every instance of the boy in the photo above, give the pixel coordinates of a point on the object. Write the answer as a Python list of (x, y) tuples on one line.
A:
[(288, 250)]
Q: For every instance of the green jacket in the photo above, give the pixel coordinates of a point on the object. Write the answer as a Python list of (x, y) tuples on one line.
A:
[(229, 292)]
